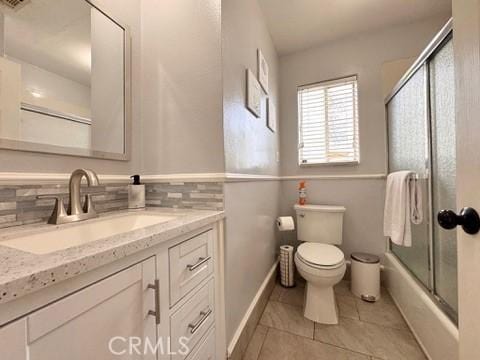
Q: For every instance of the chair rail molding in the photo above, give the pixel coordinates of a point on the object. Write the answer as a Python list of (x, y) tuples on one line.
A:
[(27, 178)]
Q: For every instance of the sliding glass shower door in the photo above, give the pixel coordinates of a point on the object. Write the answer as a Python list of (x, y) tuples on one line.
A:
[(408, 150), (421, 135)]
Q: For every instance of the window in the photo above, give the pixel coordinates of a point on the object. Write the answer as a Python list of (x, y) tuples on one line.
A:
[(328, 122)]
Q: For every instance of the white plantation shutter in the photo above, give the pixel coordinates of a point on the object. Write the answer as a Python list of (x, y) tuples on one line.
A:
[(328, 122)]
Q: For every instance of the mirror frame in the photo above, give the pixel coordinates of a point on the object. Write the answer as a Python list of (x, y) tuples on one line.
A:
[(27, 146)]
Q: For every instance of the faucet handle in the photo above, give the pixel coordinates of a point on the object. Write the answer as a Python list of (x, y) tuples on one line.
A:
[(58, 210)]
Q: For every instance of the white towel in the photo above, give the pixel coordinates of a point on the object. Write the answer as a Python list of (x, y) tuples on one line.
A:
[(403, 205)]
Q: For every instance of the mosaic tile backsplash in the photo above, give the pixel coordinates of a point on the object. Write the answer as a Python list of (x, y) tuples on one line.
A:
[(19, 204), (200, 196)]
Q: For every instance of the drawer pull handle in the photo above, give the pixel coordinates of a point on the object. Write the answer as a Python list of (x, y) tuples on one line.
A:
[(155, 286), (199, 263), (204, 315)]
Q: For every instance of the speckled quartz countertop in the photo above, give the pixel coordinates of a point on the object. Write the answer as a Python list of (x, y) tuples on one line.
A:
[(22, 272)]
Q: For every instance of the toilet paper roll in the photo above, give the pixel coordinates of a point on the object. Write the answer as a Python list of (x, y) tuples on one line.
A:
[(285, 223)]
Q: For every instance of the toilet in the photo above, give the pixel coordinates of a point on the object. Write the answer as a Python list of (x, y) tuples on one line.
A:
[(319, 261)]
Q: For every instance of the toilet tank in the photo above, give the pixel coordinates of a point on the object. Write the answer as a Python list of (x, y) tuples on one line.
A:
[(320, 223)]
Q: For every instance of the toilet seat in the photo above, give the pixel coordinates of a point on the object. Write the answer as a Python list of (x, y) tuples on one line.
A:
[(320, 256)]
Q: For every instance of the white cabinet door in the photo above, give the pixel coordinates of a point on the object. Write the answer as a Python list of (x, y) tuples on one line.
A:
[(107, 320), (13, 340)]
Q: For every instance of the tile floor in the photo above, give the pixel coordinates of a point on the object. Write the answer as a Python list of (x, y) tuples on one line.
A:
[(365, 332)]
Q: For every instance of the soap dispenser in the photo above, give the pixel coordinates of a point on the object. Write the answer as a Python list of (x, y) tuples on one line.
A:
[(136, 193)]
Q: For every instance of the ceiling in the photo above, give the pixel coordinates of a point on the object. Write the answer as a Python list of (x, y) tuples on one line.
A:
[(300, 24)]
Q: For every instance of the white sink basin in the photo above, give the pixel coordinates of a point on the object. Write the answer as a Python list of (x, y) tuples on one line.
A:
[(82, 233)]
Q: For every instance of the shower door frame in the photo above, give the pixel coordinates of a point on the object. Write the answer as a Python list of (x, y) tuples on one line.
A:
[(445, 35)]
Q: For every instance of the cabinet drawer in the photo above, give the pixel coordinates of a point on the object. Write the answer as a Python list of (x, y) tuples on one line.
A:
[(190, 263), (190, 323), (206, 349)]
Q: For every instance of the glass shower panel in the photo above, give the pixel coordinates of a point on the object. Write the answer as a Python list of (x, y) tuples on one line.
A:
[(442, 97), (408, 150)]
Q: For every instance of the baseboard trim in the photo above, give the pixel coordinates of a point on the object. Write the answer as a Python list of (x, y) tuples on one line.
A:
[(233, 346)]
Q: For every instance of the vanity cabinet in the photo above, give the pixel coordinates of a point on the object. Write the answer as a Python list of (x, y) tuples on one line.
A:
[(166, 298), (92, 322)]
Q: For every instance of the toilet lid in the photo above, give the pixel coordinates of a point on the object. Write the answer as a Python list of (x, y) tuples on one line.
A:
[(320, 254)]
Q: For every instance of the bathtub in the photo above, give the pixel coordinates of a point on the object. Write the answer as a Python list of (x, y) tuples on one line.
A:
[(435, 332)]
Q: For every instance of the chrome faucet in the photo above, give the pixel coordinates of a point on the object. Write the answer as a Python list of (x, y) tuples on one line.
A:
[(75, 210)]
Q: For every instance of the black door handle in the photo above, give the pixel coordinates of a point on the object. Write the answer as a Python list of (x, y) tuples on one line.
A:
[(468, 218)]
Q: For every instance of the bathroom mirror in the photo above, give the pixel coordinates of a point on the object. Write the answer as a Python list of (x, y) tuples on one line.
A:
[(64, 79)]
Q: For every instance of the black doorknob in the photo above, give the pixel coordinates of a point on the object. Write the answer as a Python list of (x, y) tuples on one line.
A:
[(468, 218)]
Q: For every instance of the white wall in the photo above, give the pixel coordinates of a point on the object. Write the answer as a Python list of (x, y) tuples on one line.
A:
[(181, 87), (364, 55), (250, 147)]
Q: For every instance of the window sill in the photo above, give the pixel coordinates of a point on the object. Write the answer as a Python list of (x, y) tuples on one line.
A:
[(340, 163)]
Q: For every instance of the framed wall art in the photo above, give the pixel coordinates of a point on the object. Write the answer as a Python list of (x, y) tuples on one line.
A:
[(254, 94), (262, 71)]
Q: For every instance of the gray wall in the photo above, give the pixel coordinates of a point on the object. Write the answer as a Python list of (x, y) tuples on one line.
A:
[(363, 220), (181, 87), (251, 244), (250, 147), (128, 12), (363, 55)]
